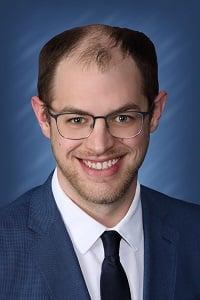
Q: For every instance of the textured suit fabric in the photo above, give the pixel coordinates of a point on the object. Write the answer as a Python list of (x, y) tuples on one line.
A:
[(38, 262)]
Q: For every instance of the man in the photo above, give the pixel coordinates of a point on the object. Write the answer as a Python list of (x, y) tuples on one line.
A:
[(91, 231)]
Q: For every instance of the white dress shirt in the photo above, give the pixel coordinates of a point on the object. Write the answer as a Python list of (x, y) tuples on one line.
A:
[(85, 233)]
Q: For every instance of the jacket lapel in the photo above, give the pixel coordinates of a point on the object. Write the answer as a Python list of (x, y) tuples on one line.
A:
[(52, 249), (160, 245)]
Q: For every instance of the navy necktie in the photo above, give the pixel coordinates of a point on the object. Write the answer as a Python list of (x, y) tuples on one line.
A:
[(113, 283)]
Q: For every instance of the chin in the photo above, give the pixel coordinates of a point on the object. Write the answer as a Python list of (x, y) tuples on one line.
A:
[(104, 193)]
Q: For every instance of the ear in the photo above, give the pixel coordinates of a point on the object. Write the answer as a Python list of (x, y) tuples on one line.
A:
[(159, 105), (38, 108)]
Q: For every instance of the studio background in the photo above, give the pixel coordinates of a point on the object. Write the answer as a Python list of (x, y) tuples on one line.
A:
[(173, 163)]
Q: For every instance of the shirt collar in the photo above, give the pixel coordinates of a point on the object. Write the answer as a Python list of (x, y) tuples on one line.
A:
[(79, 223)]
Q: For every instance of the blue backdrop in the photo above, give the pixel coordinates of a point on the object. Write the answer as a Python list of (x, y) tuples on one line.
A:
[(173, 163)]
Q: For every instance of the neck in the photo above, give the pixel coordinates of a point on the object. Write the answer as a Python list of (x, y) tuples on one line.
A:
[(109, 214)]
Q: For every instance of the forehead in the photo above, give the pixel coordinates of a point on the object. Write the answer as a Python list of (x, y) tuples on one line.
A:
[(90, 88)]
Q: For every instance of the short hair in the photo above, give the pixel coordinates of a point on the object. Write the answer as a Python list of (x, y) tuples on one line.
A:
[(94, 43)]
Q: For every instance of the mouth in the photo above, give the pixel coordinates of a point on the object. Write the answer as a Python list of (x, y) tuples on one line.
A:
[(104, 165), (101, 168)]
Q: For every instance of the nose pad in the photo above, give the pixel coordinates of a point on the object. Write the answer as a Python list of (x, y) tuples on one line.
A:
[(100, 140)]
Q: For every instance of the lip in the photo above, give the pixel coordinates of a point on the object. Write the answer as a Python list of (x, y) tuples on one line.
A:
[(103, 172), (96, 160)]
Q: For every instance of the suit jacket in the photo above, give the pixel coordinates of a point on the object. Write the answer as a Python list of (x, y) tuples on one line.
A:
[(38, 262)]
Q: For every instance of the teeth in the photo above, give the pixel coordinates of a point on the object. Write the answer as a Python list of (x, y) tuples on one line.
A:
[(101, 165)]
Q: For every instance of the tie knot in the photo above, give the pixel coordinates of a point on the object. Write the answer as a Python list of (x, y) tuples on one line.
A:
[(111, 241)]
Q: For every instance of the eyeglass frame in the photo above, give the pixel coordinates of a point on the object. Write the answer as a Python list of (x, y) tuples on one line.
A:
[(56, 115)]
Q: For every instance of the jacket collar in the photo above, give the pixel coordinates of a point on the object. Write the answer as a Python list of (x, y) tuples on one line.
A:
[(160, 247), (52, 250)]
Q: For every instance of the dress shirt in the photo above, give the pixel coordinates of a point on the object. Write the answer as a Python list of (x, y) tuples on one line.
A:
[(85, 233)]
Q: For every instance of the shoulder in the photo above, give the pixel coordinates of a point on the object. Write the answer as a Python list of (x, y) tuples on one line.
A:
[(34, 210), (17, 210), (162, 199), (175, 211), (14, 233), (16, 213)]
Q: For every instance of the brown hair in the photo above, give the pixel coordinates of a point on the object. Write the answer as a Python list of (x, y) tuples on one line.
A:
[(93, 43)]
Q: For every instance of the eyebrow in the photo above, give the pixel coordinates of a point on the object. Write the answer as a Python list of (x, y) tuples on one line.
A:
[(72, 109)]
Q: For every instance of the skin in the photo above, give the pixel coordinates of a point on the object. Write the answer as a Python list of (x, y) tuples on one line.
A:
[(106, 195)]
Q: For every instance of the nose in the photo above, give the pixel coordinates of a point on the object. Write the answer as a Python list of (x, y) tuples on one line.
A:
[(100, 140)]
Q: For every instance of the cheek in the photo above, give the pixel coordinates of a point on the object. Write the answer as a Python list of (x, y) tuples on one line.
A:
[(139, 141), (61, 146), (67, 146)]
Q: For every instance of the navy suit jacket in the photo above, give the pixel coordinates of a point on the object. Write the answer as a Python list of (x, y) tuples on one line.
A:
[(38, 262)]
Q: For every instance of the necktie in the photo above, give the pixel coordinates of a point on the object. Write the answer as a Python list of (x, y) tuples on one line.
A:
[(113, 283)]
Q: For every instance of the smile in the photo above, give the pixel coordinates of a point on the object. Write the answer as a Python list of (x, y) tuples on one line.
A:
[(101, 165)]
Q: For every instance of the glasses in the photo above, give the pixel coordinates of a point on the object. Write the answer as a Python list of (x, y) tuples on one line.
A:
[(75, 126)]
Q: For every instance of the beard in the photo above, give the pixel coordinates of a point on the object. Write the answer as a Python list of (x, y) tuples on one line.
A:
[(103, 192)]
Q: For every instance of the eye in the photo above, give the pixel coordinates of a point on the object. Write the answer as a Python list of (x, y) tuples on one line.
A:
[(77, 120), (122, 118)]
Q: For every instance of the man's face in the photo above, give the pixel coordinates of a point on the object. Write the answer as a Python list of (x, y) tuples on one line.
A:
[(80, 162)]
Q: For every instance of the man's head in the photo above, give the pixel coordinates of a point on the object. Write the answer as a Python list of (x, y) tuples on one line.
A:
[(99, 70), (98, 44)]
